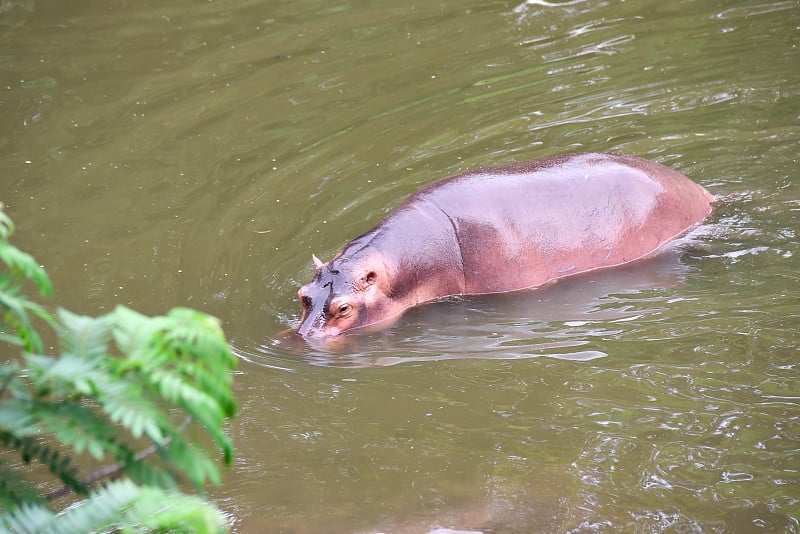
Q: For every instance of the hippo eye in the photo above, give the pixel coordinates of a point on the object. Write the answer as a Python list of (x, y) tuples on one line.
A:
[(344, 309)]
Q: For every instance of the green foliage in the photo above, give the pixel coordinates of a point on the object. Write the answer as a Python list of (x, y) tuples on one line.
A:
[(126, 390), (120, 504), (16, 327)]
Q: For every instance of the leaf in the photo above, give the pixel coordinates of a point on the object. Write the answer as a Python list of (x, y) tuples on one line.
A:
[(14, 489), (193, 461), (216, 385), (16, 316), (77, 425), (6, 225), (148, 474), (83, 336), (23, 265), (121, 505), (16, 420), (202, 337), (28, 517), (126, 405), (11, 339), (102, 510), (131, 330), (175, 512), (8, 376)]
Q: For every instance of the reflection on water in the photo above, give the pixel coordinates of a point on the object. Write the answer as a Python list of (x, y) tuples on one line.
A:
[(157, 154)]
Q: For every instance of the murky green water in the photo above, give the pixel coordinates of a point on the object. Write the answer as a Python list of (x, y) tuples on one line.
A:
[(197, 153)]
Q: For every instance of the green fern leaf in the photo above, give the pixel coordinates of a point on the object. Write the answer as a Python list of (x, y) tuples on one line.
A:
[(148, 474), (6, 225), (101, 511), (216, 385), (83, 336), (29, 517), (132, 331), (193, 461), (121, 505), (125, 403), (78, 426), (176, 513), (174, 388), (23, 265), (17, 319), (16, 419), (61, 376), (201, 336), (11, 339), (8, 376), (15, 489)]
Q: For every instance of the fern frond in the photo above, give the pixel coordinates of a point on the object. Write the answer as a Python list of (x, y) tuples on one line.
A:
[(200, 336), (23, 265), (61, 376), (16, 317), (31, 449), (147, 474), (193, 461), (27, 518), (175, 388), (16, 420), (175, 512), (126, 404), (133, 332), (197, 403), (210, 415), (6, 225), (11, 339), (83, 336), (15, 489), (79, 426), (8, 375), (101, 511), (121, 505), (214, 384), (182, 358)]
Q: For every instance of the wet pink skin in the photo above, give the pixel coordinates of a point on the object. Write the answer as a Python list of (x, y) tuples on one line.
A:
[(498, 230)]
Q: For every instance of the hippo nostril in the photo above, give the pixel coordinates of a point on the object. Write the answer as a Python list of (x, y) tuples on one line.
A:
[(311, 326)]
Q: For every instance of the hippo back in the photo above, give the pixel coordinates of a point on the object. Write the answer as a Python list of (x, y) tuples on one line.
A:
[(520, 226)]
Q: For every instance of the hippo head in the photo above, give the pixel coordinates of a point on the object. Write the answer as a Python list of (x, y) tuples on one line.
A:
[(342, 296)]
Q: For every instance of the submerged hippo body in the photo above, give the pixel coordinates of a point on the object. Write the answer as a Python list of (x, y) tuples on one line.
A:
[(502, 229)]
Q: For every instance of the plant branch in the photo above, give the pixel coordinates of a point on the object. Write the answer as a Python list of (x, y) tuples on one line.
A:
[(5, 384), (113, 469)]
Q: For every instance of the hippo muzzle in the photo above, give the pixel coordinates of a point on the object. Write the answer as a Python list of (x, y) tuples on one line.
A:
[(332, 303)]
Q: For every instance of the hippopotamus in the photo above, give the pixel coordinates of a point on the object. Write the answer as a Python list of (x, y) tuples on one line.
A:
[(502, 229)]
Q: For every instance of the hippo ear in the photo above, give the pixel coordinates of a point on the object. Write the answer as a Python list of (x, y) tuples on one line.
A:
[(374, 278), (317, 262), (366, 280)]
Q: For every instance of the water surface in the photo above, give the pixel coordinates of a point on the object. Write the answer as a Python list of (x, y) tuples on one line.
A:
[(197, 154)]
